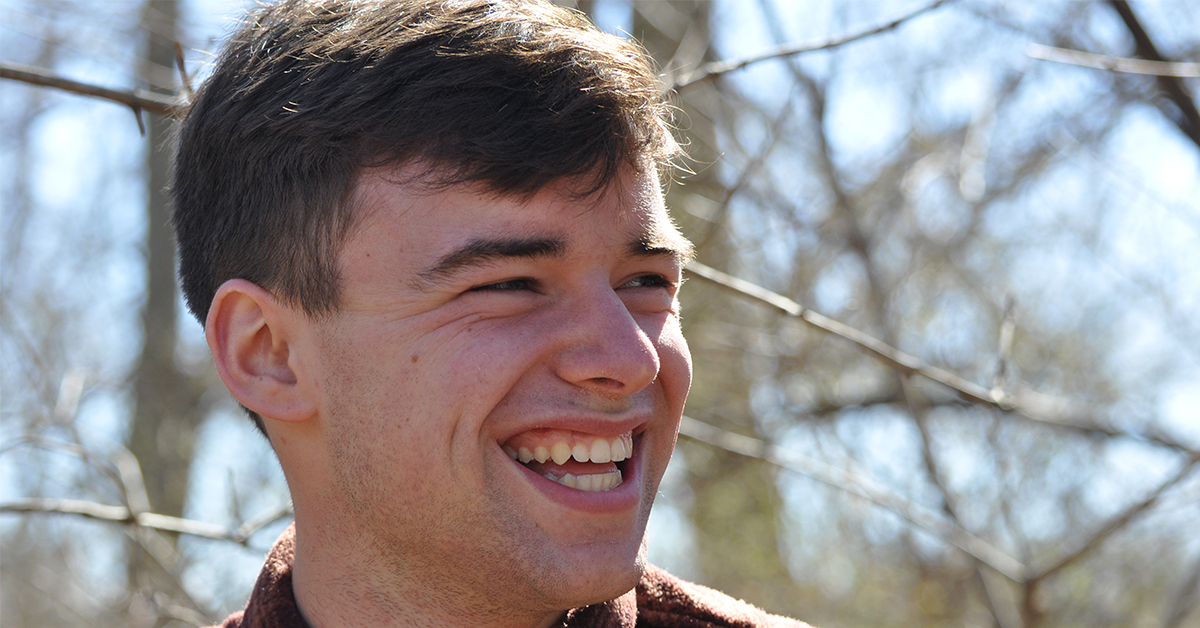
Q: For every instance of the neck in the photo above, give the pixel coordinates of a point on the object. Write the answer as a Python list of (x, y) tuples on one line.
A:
[(338, 583)]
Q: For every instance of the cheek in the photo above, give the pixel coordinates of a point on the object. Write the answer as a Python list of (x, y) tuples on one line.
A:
[(675, 357), (468, 370), (482, 355)]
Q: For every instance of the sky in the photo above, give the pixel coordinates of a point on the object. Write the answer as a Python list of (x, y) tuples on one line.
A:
[(1150, 236)]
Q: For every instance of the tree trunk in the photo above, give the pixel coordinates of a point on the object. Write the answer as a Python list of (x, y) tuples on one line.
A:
[(166, 413)]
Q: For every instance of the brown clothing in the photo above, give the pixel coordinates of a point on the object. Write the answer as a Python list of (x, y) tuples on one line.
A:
[(660, 600)]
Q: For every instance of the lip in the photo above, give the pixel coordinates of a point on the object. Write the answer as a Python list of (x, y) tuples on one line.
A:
[(622, 498), (605, 427)]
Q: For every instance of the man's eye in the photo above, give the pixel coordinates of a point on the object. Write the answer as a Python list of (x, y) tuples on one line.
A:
[(511, 284), (649, 281)]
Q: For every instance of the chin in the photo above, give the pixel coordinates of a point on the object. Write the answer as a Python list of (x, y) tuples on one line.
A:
[(594, 574)]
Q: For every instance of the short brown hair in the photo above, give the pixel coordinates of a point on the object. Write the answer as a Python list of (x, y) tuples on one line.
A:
[(511, 94)]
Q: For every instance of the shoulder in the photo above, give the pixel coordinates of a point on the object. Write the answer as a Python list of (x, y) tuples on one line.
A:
[(668, 602)]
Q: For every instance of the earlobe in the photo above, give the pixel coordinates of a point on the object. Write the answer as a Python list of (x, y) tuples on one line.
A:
[(254, 339)]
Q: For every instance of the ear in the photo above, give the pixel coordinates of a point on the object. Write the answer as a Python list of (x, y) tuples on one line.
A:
[(256, 342)]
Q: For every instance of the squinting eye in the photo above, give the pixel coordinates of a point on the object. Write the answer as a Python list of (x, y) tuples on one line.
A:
[(511, 284), (649, 281)]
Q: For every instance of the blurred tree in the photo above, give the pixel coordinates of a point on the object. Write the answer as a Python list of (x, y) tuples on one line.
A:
[(735, 499), (908, 170), (166, 399)]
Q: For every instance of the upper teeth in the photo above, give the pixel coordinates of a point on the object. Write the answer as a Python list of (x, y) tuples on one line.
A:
[(602, 450)]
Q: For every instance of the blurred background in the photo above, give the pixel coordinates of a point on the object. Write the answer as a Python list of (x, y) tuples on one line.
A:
[(1005, 196)]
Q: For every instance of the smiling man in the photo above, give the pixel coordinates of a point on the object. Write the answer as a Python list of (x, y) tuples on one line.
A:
[(428, 244)]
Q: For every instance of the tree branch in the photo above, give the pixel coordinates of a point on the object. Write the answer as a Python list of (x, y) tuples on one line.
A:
[(1033, 406), (138, 100), (903, 362), (862, 486), (1172, 86), (716, 68), (1082, 545), (120, 514), (1113, 64)]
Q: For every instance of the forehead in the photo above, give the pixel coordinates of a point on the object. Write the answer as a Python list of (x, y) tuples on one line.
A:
[(422, 219)]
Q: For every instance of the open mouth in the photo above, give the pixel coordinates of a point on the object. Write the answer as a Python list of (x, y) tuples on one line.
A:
[(584, 462)]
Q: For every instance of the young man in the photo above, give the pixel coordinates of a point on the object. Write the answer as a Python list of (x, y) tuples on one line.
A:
[(428, 244)]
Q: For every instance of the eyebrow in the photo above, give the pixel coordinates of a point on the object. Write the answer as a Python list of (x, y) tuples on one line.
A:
[(660, 244), (481, 252)]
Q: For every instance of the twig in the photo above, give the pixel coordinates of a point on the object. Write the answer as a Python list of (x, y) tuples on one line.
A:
[(1081, 546), (100, 463), (721, 67), (1113, 64), (137, 99), (1008, 329), (857, 484), (1030, 405), (903, 362), (746, 174), (243, 532), (1175, 89), (183, 75), (154, 521), (132, 482), (164, 555)]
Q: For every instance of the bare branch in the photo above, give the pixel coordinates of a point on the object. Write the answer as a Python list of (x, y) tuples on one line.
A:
[(860, 485), (1113, 64), (903, 362), (1031, 405), (747, 174), (164, 555), (716, 68), (136, 99), (1174, 88), (184, 79), (1008, 328), (120, 514), (91, 510), (1073, 551)]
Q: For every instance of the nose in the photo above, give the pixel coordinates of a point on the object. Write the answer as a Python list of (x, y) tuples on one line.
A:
[(603, 348)]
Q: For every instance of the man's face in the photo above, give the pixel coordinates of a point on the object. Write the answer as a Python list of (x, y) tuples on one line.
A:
[(475, 328)]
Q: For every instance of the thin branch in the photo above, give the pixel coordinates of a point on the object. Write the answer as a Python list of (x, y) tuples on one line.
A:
[(860, 485), (747, 173), (164, 555), (104, 465), (137, 99), (1008, 328), (1113, 64), (716, 68), (266, 518), (1031, 405), (184, 79), (165, 523), (88, 509), (1174, 88), (903, 362), (1073, 551)]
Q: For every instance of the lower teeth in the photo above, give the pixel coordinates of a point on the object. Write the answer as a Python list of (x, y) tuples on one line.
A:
[(594, 482)]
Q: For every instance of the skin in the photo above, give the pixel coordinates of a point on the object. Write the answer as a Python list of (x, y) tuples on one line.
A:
[(466, 319)]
